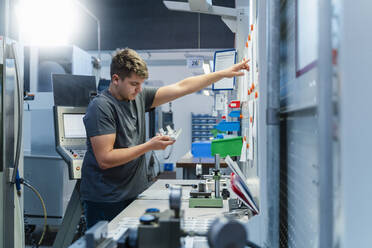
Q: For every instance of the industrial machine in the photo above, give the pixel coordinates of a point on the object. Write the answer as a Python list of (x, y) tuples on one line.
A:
[(165, 230), (202, 198), (70, 137), (44, 168), (11, 154), (72, 94)]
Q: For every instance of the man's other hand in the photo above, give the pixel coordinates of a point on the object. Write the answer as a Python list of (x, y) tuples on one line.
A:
[(160, 142)]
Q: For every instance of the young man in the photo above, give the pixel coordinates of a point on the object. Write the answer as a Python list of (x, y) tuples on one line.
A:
[(114, 169)]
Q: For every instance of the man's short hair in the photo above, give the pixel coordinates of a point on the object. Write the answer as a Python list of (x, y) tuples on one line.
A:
[(127, 61)]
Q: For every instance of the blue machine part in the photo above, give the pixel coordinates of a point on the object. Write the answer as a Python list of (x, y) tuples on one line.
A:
[(219, 136), (201, 149), (228, 126), (235, 113), (168, 167), (152, 210), (147, 219)]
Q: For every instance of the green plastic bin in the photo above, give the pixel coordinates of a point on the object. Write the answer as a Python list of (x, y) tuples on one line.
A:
[(224, 147)]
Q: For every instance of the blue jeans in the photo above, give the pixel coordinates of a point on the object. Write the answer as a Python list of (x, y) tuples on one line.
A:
[(97, 211)]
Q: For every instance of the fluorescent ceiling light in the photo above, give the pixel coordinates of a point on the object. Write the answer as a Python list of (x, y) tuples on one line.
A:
[(46, 22)]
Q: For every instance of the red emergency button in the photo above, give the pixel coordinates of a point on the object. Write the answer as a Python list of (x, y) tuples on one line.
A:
[(75, 155), (77, 168)]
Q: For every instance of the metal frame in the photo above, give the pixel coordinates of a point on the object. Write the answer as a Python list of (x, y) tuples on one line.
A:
[(8, 152), (262, 24), (273, 136), (311, 65), (355, 124), (325, 119), (11, 89), (71, 219)]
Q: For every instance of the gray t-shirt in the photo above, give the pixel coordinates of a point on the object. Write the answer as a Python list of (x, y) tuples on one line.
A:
[(107, 115)]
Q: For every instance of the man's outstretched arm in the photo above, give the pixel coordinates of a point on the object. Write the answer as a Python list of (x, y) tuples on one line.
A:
[(193, 84)]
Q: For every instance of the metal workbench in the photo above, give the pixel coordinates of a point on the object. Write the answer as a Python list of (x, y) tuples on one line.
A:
[(157, 197)]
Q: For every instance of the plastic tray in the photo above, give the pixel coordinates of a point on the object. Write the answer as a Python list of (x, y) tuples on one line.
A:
[(224, 147)]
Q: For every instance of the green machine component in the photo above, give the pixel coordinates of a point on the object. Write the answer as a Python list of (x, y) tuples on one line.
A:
[(219, 148), (206, 202), (224, 147), (202, 198), (210, 202)]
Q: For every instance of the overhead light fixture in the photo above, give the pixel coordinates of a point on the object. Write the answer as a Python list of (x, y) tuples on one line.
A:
[(200, 5), (46, 22), (228, 15), (51, 22)]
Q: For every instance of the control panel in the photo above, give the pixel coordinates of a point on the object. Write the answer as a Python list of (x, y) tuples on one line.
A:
[(74, 157), (70, 137)]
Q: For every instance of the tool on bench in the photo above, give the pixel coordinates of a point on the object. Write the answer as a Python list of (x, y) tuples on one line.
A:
[(194, 186)]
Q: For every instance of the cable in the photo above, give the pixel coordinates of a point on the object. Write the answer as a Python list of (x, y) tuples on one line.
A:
[(164, 157), (44, 209), (156, 157), (21, 221), (170, 153), (18, 189), (20, 115)]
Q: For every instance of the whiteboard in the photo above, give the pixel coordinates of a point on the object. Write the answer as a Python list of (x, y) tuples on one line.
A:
[(223, 60), (307, 35)]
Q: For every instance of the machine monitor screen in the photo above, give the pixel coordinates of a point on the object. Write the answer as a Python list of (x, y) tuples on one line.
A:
[(74, 126)]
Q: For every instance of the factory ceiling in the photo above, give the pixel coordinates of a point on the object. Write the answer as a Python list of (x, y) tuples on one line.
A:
[(148, 24)]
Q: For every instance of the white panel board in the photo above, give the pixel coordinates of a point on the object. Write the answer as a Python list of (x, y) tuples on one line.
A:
[(223, 60)]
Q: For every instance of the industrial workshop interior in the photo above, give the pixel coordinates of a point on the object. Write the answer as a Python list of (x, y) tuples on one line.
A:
[(185, 123)]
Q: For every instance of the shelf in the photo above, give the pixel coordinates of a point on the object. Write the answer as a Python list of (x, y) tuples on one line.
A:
[(204, 118), (206, 121)]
